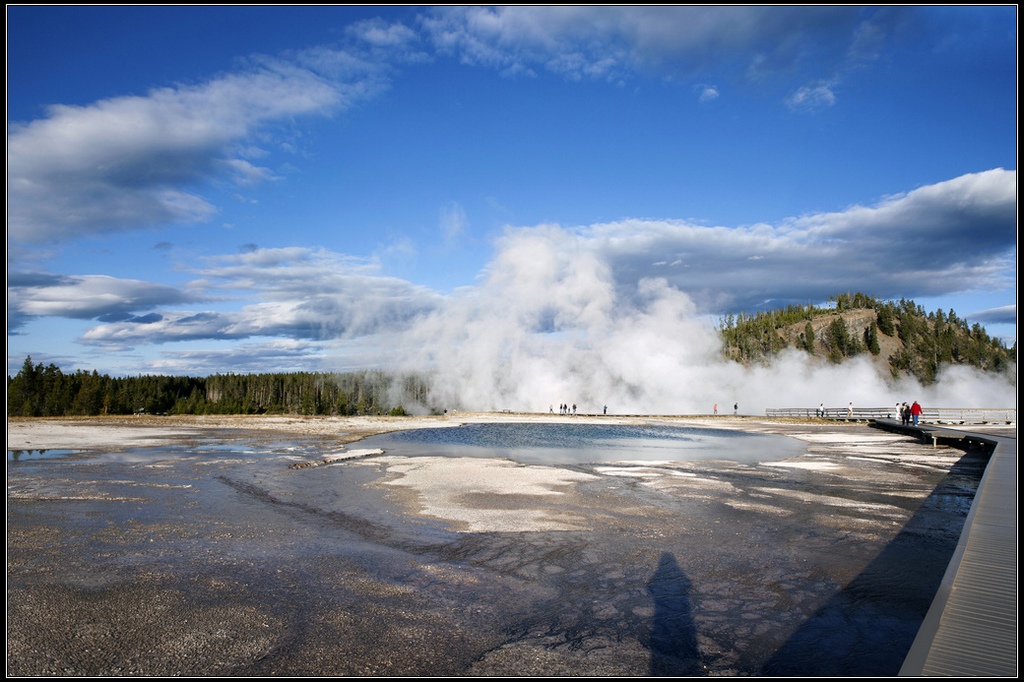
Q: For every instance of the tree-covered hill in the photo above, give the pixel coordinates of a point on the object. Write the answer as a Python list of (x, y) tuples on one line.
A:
[(899, 336)]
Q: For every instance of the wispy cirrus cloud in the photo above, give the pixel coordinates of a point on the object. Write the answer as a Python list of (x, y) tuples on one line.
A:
[(615, 42), (285, 355), (131, 162), (289, 293), (812, 97), (138, 161), (86, 297), (707, 93), (391, 36), (453, 221)]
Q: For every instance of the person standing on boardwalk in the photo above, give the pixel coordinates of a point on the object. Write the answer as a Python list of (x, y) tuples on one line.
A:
[(915, 411)]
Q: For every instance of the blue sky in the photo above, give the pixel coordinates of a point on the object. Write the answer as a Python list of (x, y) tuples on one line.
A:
[(195, 190)]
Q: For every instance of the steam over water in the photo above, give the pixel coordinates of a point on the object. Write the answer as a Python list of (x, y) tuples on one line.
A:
[(554, 322)]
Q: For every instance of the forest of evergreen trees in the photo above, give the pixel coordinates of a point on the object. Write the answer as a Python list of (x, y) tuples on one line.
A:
[(39, 391), (926, 340)]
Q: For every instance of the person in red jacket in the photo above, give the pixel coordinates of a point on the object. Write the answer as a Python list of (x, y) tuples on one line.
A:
[(915, 411)]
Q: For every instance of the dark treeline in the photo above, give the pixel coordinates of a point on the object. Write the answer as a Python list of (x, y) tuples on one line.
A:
[(920, 342), (39, 391)]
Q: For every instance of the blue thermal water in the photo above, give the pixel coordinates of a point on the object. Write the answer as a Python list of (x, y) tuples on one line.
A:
[(587, 443)]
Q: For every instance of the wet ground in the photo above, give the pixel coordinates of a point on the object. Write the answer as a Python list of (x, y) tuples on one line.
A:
[(240, 554)]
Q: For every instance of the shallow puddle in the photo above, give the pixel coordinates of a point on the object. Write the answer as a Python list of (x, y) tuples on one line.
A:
[(534, 443)]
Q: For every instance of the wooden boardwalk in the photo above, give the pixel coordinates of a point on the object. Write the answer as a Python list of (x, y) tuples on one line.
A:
[(971, 627), (934, 415)]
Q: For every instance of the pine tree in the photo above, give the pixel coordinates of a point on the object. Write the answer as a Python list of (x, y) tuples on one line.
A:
[(809, 337), (871, 338)]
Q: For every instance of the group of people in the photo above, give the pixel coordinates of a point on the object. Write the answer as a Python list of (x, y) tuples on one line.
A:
[(822, 412), (564, 409), (905, 413), (908, 413)]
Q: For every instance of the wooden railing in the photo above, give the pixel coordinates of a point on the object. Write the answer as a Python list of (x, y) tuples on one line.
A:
[(936, 415)]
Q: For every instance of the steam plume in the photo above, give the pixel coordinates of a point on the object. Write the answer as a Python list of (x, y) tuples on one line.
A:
[(550, 324)]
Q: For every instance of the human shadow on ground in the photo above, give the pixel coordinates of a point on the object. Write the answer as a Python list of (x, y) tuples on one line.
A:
[(867, 629), (674, 650)]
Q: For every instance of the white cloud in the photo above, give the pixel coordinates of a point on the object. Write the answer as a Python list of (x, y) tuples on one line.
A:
[(284, 355), (949, 237), (299, 294), (1006, 314), (707, 93), (246, 174), (380, 33), (32, 295), (453, 221), (610, 42), (812, 97), (128, 162)]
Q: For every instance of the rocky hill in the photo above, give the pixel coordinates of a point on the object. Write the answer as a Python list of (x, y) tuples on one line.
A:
[(900, 337)]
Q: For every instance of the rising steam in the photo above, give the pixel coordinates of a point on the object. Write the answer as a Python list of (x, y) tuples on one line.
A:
[(550, 324)]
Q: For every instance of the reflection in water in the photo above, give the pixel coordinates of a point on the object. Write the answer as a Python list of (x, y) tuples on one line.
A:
[(674, 649), (867, 628), (534, 443), (22, 455)]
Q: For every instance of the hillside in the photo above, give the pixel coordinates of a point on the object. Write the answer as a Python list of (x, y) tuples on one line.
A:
[(900, 337)]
